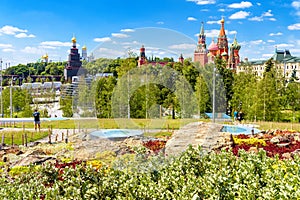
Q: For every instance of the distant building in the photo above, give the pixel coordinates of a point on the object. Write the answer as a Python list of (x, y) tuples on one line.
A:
[(200, 54), (283, 60), (45, 58), (84, 53), (219, 49), (143, 59), (74, 65)]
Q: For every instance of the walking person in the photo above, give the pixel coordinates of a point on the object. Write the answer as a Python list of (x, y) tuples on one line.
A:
[(235, 115), (37, 122)]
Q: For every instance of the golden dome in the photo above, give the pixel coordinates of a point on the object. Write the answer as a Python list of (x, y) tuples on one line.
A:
[(45, 56), (74, 39), (84, 47), (222, 20)]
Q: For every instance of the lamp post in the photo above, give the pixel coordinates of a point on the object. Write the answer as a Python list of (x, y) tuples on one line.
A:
[(10, 92), (214, 94), (1, 88)]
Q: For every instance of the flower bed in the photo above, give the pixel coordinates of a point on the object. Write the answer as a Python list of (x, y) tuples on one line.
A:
[(285, 143), (192, 175)]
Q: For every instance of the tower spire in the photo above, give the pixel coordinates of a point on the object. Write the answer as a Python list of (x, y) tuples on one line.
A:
[(202, 29), (222, 30), (200, 54)]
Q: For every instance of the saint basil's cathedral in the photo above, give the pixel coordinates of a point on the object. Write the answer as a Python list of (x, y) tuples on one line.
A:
[(205, 55)]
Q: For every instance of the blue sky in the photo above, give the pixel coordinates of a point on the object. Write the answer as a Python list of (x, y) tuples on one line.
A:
[(111, 28)]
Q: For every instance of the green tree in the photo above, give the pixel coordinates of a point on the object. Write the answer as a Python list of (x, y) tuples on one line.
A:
[(20, 101), (269, 94), (245, 94), (126, 65), (202, 95), (104, 90), (227, 77), (292, 95), (66, 105)]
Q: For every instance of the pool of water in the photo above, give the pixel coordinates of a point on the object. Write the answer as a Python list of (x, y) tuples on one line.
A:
[(116, 133), (239, 129)]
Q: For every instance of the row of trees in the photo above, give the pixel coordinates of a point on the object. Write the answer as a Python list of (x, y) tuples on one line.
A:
[(270, 97), (23, 73), (175, 89)]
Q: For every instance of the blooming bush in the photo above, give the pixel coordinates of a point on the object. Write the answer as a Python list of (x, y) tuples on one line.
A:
[(194, 173)]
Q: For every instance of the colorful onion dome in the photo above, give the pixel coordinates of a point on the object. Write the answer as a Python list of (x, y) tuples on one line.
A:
[(224, 54), (235, 45), (213, 46)]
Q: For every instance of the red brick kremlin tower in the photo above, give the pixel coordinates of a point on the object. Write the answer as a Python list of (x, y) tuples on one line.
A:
[(142, 58), (200, 54)]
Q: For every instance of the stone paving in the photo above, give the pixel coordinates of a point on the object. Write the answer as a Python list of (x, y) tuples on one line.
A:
[(206, 135)]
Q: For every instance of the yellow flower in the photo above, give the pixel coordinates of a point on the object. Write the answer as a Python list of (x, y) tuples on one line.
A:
[(275, 167), (95, 164)]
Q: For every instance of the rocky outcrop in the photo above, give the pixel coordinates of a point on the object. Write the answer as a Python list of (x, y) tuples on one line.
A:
[(206, 135)]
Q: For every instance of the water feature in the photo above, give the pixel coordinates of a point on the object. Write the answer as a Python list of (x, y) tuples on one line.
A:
[(116, 133), (239, 129)]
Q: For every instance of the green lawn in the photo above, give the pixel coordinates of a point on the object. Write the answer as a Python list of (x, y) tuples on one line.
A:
[(160, 124), (19, 137)]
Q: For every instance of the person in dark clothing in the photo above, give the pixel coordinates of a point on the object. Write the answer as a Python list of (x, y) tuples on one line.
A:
[(240, 116), (37, 122)]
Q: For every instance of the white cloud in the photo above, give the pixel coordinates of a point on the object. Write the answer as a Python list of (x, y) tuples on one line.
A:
[(239, 15), (119, 35), (5, 46), (104, 39), (275, 34), (271, 41), (267, 14), (243, 4), (294, 26), (24, 35), (255, 42), (56, 44), (11, 30), (112, 53), (8, 50), (191, 19), (232, 32), (259, 4), (131, 43), (182, 46), (267, 55), (261, 18), (32, 50), (256, 18), (127, 30), (204, 10), (47, 47), (221, 10), (160, 23), (210, 33), (213, 22), (203, 2), (283, 45), (296, 4)]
